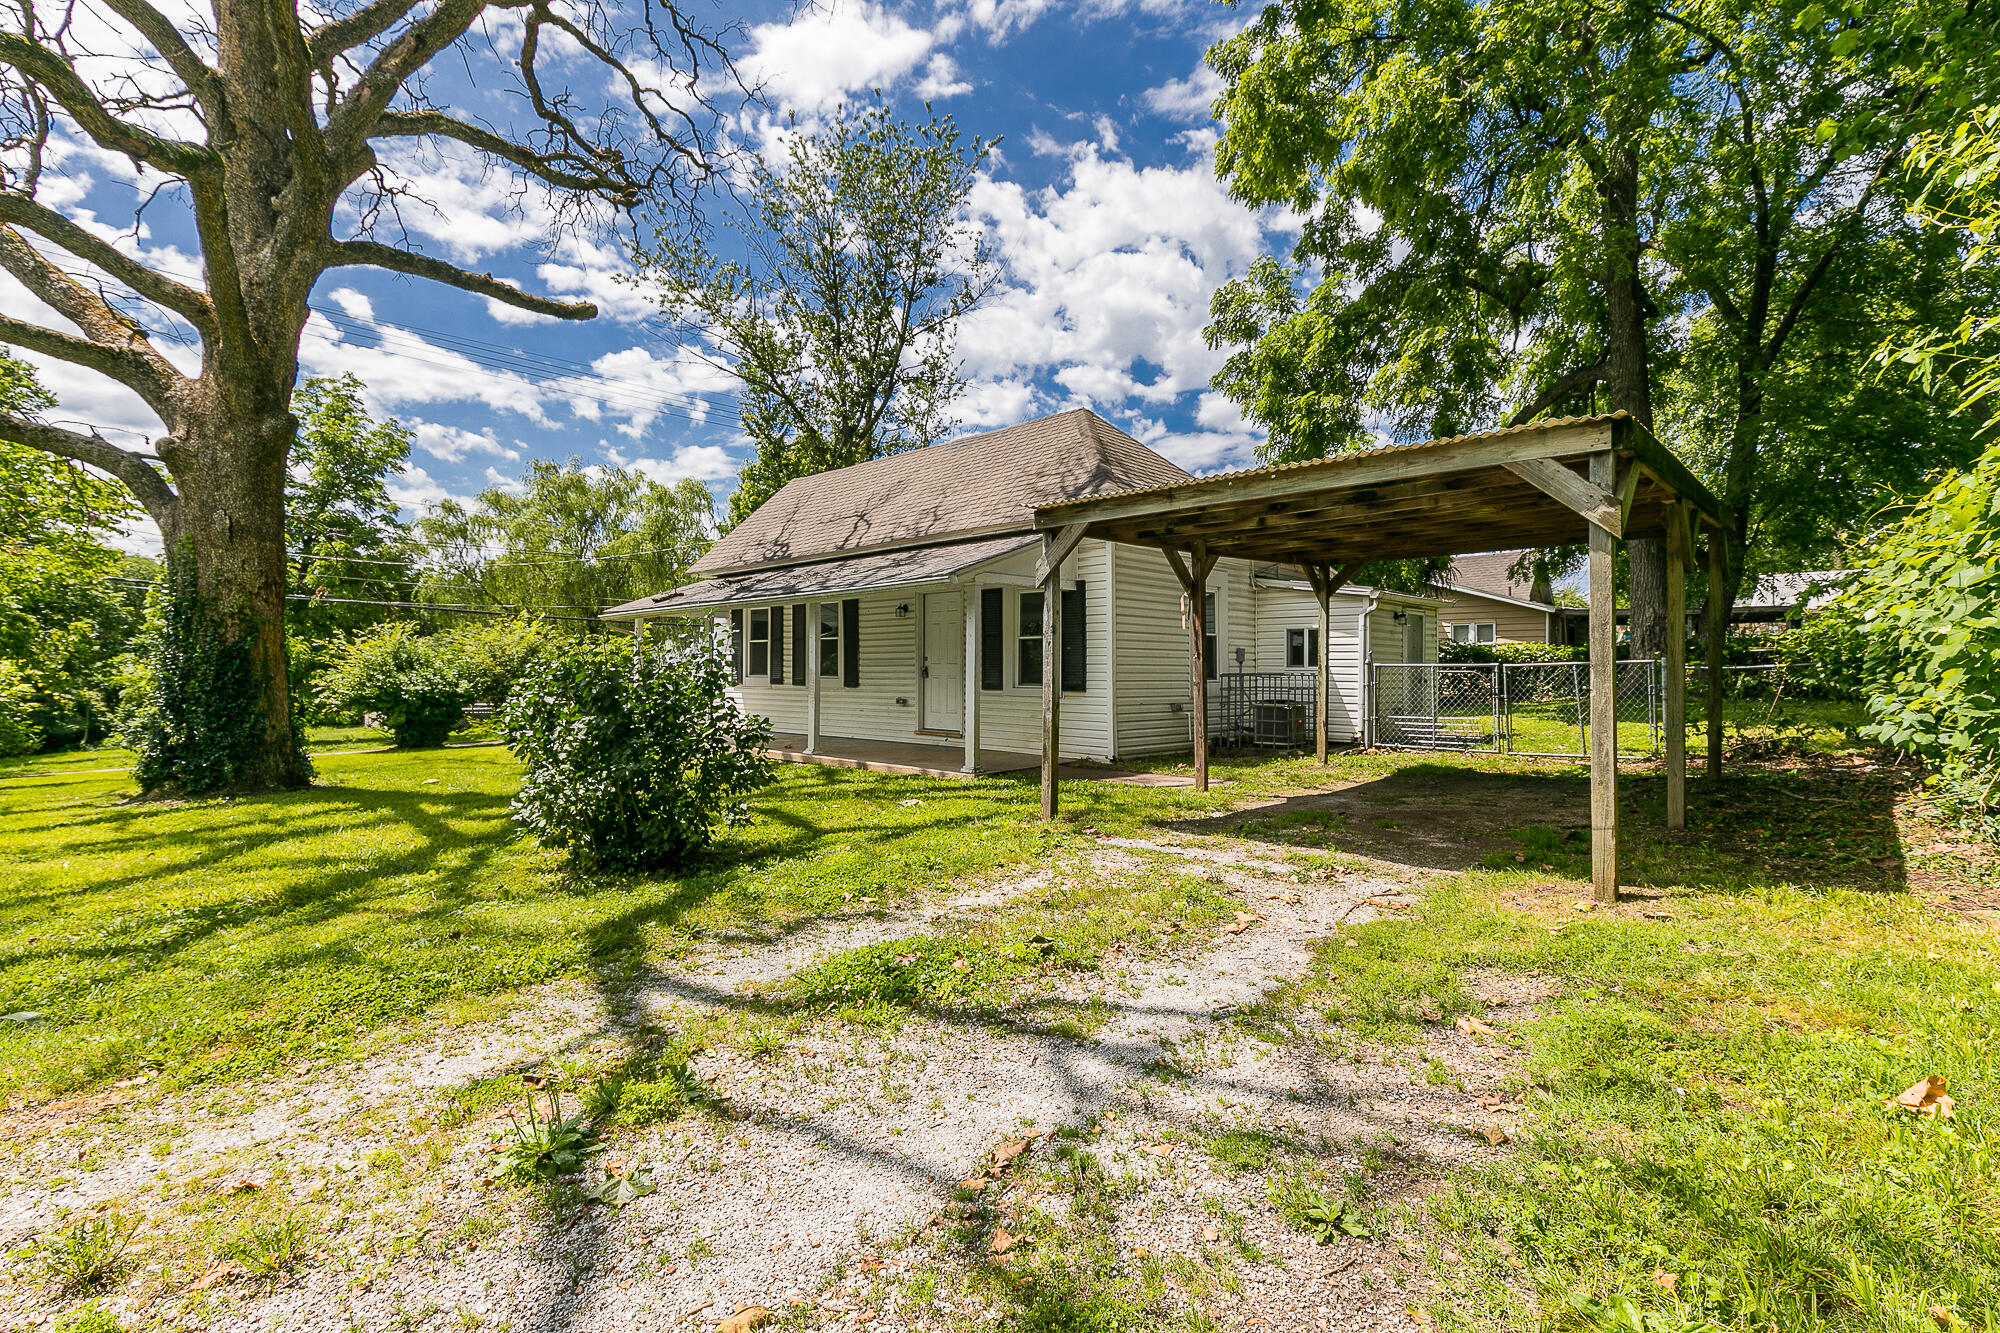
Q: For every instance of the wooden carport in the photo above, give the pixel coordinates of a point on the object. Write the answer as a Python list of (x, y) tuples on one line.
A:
[(1597, 480)]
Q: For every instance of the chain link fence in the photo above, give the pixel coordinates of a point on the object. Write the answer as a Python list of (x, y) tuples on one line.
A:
[(1533, 709)]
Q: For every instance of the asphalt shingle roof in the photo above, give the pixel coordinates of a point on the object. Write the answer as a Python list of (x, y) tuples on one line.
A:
[(975, 486)]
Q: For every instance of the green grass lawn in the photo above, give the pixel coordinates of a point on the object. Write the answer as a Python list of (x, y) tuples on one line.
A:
[(1706, 1144)]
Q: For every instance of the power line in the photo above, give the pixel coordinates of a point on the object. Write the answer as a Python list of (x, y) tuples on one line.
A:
[(500, 609)]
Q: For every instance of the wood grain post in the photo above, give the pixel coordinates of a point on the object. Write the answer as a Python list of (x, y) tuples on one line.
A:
[(969, 714), (1198, 664), (1321, 578), (1051, 677), (1718, 629), (814, 610), (1603, 696), (1676, 667)]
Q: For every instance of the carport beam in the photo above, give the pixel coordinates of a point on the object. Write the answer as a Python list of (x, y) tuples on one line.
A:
[(1603, 695), (1326, 581)]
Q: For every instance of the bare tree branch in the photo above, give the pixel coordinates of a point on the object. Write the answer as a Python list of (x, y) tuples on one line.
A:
[(373, 254), (191, 69), (114, 345), (50, 70), (542, 166), (1562, 387), (365, 24), (191, 305), (139, 476)]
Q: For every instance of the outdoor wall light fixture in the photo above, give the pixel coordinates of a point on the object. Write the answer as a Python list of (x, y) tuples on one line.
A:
[(902, 608), (1402, 616)]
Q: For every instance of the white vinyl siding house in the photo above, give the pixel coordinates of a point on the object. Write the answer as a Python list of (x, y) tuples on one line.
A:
[(915, 574)]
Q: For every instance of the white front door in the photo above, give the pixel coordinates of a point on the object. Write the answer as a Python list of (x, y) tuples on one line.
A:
[(943, 650)]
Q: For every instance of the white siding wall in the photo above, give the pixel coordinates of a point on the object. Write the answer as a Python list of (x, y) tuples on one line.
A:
[(1280, 610), (885, 705), (1155, 686)]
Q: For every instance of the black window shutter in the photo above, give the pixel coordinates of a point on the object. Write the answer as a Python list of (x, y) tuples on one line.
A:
[(736, 645), (777, 645), (850, 643), (992, 641), (1074, 673), (799, 646)]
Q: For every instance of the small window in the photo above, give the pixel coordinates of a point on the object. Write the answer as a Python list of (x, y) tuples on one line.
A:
[(829, 639), (760, 642), (1473, 633), (1210, 640), (1028, 646), (1302, 647)]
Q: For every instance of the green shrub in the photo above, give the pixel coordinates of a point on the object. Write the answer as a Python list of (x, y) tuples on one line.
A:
[(1509, 652), (1824, 657), (417, 683), (18, 732), (1928, 602), (493, 654), (634, 755)]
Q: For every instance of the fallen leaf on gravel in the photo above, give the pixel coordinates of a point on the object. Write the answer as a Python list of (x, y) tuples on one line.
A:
[(1012, 1148), (1943, 1317), (1284, 898), (694, 1310), (1472, 1027), (1664, 1280), (1658, 916), (215, 1277), (1926, 1097), (1433, 1016), (243, 1186), (975, 1184), (749, 1317), (1141, 1252), (1492, 1103), (1158, 1149), (1003, 1241), (1421, 1318), (1496, 1134), (1210, 1235)]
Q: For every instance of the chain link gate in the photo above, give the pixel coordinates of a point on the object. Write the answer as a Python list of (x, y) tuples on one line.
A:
[(1532, 709)]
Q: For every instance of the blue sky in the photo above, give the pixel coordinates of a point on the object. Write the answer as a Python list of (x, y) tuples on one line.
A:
[(1101, 204)]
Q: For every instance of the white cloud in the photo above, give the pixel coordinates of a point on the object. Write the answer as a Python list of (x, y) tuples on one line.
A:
[(502, 481), (1186, 99), (1108, 279), (453, 444), (352, 303), (941, 80), (699, 462), (415, 489), (815, 62)]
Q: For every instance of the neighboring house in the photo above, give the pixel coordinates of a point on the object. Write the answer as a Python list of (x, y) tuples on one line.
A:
[(913, 577), (1775, 601), (1485, 603)]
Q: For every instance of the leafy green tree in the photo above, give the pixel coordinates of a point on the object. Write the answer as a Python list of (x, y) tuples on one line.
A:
[(840, 316), (1521, 208), (62, 620), (575, 540), (342, 531), (414, 681)]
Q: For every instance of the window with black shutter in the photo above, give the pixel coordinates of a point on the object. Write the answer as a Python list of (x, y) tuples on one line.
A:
[(1210, 647), (850, 643), (799, 643), (992, 639), (829, 639), (736, 646), (777, 645), (760, 643), (1075, 675), (1028, 647)]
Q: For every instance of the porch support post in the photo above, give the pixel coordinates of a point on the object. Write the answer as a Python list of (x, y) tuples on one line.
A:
[(813, 613), (1051, 672), (1718, 555), (970, 713), (1325, 582), (1603, 695), (1194, 584), (1676, 667)]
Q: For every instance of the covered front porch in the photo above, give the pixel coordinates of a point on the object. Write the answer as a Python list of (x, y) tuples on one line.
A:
[(908, 758)]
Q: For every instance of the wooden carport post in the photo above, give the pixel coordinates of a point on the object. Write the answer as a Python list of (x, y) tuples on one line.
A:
[(1679, 548), (1194, 583), (1325, 581), (1603, 693), (1718, 555), (1048, 573)]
